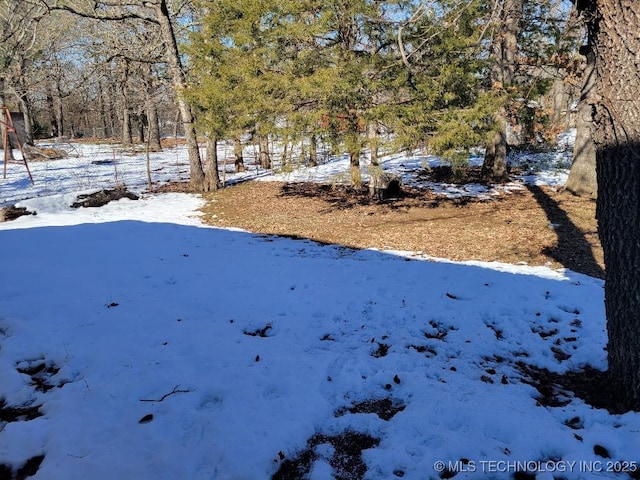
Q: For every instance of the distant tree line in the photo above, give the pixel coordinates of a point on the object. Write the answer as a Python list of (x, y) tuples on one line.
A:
[(355, 75)]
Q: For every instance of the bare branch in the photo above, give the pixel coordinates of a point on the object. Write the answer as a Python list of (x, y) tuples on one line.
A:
[(172, 392), (106, 11)]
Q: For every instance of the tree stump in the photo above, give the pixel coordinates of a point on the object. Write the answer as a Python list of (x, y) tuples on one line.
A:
[(384, 185)]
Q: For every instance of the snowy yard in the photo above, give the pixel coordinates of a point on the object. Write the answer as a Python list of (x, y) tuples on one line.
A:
[(138, 343)]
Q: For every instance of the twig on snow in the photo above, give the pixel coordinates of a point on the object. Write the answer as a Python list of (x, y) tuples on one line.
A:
[(175, 390)]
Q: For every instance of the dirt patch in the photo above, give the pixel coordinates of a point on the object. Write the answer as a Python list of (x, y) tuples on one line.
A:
[(29, 469), (384, 408), (346, 459), (41, 374), (557, 390), (537, 226), (20, 413)]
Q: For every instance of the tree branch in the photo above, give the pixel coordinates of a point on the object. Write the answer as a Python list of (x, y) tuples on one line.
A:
[(175, 390), (99, 14)]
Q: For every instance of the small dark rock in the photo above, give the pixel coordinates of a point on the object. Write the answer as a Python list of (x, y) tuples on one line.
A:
[(146, 419), (601, 451)]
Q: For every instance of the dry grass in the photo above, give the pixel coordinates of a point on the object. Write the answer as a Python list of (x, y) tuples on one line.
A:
[(537, 226)]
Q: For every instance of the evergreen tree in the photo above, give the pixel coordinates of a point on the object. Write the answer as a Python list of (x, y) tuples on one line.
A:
[(440, 101)]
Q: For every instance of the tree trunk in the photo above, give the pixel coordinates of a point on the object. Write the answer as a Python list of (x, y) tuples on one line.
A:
[(197, 177), (617, 138), (126, 137), (58, 109), (52, 116), (213, 182), (285, 152), (141, 120), (104, 123), (111, 109), (263, 146), (27, 119), (373, 142), (559, 100), (313, 151), (153, 125), (504, 52), (582, 179), (494, 166), (237, 153), (8, 155)]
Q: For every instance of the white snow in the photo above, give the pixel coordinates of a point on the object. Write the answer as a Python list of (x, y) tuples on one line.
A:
[(243, 347)]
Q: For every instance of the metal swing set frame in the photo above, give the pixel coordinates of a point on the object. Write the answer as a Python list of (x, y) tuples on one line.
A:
[(9, 128)]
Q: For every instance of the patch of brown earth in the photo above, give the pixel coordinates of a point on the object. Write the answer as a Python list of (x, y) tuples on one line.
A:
[(537, 225)]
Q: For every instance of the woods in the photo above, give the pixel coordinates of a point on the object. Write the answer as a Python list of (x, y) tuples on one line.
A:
[(358, 78), (355, 77)]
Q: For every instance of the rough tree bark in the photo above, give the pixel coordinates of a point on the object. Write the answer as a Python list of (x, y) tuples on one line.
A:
[(211, 171), (582, 177), (504, 53), (613, 30), (151, 110), (178, 77), (263, 148)]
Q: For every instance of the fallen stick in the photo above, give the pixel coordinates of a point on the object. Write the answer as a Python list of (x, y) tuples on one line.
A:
[(175, 390)]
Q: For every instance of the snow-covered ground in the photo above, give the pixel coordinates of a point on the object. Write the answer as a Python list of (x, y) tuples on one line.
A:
[(138, 343), (90, 167)]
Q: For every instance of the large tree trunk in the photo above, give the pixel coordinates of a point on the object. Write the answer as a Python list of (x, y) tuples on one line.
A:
[(197, 177), (582, 177), (127, 139), (151, 109), (237, 153), (27, 119), (504, 52), (263, 147), (213, 182), (153, 125), (617, 138), (494, 166)]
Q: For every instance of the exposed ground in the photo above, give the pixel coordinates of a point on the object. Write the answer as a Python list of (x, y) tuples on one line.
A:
[(536, 225)]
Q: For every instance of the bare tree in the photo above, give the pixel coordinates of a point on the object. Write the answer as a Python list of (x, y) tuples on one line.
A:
[(18, 48), (152, 13)]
